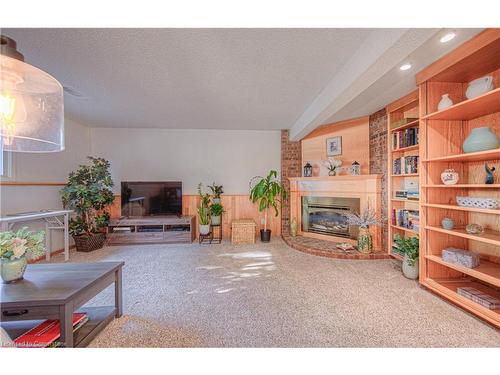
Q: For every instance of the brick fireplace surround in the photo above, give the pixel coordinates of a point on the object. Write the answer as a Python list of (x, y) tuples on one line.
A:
[(291, 166)]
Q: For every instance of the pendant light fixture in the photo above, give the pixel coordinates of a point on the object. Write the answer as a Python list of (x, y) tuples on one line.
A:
[(31, 105)]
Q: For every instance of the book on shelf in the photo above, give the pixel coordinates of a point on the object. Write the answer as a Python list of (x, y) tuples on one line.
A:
[(405, 138), (46, 333), (405, 165), (479, 297), (408, 219)]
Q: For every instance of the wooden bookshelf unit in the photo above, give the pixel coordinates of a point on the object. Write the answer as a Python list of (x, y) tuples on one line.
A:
[(403, 115), (442, 135)]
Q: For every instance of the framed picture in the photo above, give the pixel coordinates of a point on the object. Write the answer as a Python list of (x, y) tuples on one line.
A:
[(334, 146)]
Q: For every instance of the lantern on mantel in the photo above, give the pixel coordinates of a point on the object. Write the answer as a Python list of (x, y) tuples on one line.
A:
[(355, 168), (31, 104), (308, 170)]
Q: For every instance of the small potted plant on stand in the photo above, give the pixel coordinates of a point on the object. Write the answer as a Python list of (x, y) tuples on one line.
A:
[(267, 192), (14, 249), (216, 211), (204, 211), (363, 221), (409, 248), (216, 192), (88, 192)]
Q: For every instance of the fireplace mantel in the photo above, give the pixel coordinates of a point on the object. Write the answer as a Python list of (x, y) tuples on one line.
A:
[(368, 188)]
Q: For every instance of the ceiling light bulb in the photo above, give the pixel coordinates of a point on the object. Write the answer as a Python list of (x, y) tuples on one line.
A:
[(405, 66), (447, 37)]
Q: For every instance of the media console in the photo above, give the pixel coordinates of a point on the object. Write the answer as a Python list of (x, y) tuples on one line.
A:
[(151, 229)]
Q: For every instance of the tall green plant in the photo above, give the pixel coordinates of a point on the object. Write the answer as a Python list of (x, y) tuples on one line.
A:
[(88, 192), (408, 246), (268, 192), (216, 190)]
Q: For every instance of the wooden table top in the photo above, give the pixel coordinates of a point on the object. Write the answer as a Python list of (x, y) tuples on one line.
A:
[(49, 284)]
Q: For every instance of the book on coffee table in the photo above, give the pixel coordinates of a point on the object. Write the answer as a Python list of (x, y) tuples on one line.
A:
[(46, 333)]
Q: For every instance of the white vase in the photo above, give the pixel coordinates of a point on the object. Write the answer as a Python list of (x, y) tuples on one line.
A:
[(449, 177), (409, 271), (204, 229), (479, 86), (445, 102)]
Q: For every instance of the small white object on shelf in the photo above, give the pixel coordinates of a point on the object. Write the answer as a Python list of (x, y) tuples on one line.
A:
[(479, 86), (449, 177), (487, 203), (445, 102)]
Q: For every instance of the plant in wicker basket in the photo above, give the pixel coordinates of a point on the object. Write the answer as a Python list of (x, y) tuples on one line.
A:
[(88, 192), (363, 220)]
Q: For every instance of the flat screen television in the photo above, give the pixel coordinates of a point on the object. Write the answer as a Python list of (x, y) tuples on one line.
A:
[(146, 198)]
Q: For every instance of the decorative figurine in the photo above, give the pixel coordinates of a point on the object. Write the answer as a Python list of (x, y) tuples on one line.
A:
[(489, 174), (355, 169)]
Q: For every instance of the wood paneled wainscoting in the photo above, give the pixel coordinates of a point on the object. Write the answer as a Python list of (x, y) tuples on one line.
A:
[(236, 207)]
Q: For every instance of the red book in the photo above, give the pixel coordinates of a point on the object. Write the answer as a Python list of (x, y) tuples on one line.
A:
[(45, 333)]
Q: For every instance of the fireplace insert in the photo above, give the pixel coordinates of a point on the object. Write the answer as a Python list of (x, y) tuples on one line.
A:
[(325, 215)]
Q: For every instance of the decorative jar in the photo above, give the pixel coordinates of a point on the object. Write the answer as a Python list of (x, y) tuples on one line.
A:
[(480, 139), (447, 223), (449, 177), (474, 228), (293, 227)]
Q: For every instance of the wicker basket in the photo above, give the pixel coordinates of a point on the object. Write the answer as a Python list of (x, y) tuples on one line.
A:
[(89, 243), (243, 231)]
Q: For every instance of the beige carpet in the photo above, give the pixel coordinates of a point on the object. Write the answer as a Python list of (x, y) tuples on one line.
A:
[(269, 295)]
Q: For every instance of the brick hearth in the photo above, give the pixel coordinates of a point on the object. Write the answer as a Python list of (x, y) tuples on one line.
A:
[(328, 249)]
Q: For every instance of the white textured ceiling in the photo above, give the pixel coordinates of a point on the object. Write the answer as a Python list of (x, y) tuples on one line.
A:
[(230, 78), (189, 78)]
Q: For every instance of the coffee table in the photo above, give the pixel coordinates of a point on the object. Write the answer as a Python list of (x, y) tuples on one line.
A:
[(55, 291)]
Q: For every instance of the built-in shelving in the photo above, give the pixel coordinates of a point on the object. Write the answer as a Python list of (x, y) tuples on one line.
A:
[(442, 134), (486, 271), (404, 229), (460, 208), (469, 157), (403, 109), (489, 236), (463, 186), (406, 149), (469, 109)]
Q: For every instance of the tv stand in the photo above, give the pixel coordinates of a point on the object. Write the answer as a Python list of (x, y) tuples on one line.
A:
[(151, 229)]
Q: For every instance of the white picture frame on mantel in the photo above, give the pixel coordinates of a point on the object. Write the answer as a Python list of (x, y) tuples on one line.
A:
[(334, 146)]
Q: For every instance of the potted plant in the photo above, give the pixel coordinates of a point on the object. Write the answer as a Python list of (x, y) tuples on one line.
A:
[(204, 220), (333, 165), (216, 192), (216, 210), (363, 221), (204, 210), (409, 248), (268, 192), (88, 192), (14, 249)]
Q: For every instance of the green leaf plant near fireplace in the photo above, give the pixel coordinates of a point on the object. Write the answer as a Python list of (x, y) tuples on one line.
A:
[(269, 193), (88, 192)]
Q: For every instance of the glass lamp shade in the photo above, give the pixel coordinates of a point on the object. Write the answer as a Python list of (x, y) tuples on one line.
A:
[(31, 108)]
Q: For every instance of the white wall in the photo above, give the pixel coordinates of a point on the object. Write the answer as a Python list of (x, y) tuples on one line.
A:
[(230, 158), (52, 167)]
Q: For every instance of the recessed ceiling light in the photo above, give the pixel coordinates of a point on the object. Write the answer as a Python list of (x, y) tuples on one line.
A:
[(447, 37), (405, 66)]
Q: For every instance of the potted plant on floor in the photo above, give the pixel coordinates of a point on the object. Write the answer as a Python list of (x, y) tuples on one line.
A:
[(409, 248), (216, 192), (204, 210), (216, 211), (88, 192), (267, 191), (363, 221), (14, 249)]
